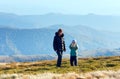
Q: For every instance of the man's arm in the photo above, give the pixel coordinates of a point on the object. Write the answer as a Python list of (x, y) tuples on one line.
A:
[(64, 46), (54, 44)]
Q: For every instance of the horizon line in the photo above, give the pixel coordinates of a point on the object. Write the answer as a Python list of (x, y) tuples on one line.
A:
[(53, 13)]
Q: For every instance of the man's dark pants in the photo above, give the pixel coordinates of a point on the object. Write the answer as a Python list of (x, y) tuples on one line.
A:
[(59, 60)]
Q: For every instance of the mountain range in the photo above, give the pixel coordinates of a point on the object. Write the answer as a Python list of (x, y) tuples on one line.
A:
[(40, 41), (102, 22), (33, 34)]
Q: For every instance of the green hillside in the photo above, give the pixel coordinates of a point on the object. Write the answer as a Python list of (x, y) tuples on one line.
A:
[(85, 65)]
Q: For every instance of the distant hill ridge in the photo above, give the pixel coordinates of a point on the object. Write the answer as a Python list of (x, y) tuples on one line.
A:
[(15, 41), (102, 22)]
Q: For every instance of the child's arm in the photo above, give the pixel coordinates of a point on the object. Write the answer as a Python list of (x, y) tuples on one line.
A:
[(70, 46), (76, 47)]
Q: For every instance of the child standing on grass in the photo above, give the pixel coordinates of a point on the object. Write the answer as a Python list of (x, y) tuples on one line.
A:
[(73, 53)]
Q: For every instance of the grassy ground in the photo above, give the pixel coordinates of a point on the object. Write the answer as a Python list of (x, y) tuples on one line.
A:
[(84, 65)]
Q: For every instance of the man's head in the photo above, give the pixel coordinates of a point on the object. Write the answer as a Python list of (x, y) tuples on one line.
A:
[(60, 32)]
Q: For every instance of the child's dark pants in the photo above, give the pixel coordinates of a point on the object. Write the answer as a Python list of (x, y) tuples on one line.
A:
[(73, 60)]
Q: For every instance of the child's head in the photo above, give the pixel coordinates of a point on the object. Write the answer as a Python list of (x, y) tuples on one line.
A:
[(74, 41)]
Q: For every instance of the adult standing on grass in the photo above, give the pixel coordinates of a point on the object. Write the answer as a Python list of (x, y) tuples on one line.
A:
[(59, 46), (73, 53)]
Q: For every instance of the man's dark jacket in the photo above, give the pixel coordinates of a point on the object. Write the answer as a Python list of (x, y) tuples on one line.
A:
[(58, 42)]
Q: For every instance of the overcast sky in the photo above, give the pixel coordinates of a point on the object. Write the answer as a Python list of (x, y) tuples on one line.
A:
[(103, 7)]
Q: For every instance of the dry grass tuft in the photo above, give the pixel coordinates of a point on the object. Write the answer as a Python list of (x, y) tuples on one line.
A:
[(90, 75)]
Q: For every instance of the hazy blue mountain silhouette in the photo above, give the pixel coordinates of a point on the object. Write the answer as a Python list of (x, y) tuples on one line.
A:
[(39, 41), (27, 41), (33, 34), (37, 21)]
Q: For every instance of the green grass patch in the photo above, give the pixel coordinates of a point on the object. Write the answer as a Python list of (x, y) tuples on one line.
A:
[(84, 65)]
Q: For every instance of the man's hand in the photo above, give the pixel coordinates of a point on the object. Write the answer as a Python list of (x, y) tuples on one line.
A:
[(55, 50), (64, 50)]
